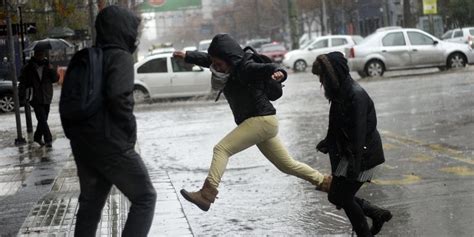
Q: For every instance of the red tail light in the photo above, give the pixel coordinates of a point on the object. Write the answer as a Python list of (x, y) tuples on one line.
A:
[(470, 41), (352, 53)]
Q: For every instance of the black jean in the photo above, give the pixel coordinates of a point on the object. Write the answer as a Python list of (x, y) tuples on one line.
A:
[(42, 129), (97, 174), (342, 194)]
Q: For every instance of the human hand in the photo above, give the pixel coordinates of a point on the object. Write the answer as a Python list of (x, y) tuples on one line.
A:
[(278, 76), (325, 186), (179, 54)]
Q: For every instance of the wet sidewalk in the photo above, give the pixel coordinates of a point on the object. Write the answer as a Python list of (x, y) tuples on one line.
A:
[(46, 180)]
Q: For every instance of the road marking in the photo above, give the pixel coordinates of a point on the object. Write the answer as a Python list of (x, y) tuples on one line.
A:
[(421, 158), (388, 146), (407, 179), (459, 170), (436, 148)]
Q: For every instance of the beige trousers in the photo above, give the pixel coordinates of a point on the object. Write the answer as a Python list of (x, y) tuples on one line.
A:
[(261, 131)]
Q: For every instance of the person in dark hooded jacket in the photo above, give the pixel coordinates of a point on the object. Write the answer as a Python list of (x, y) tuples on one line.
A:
[(352, 141), (39, 75), (242, 79), (104, 145)]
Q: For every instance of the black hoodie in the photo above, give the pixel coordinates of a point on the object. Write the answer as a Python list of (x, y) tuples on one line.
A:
[(243, 90), (352, 130), (113, 129)]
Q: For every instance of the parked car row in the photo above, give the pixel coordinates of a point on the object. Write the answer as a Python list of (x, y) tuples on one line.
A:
[(393, 48), (299, 59), (399, 48)]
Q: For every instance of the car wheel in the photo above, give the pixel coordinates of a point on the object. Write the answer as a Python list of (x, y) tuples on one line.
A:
[(374, 68), (140, 95), (300, 66), (6, 103), (456, 60), (362, 74)]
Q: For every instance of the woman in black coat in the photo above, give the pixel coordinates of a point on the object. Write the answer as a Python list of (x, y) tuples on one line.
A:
[(352, 141)]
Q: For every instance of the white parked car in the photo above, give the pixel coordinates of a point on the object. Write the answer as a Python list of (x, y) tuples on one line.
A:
[(204, 45), (462, 35), (190, 48), (163, 76), (400, 48), (299, 59)]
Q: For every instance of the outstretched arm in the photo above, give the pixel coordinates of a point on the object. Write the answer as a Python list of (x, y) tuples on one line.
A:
[(193, 57)]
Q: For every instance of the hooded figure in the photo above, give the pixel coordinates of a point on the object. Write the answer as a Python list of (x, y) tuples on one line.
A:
[(39, 75), (352, 141), (103, 145), (253, 113)]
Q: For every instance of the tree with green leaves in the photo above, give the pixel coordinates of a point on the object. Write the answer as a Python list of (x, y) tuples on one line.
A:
[(461, 12)]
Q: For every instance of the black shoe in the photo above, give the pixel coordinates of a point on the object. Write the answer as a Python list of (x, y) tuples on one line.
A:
[(49, 144), (378, 215), (379, 219)]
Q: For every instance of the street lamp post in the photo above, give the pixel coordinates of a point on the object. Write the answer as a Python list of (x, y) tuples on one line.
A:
[(29, 124), (13, 75)]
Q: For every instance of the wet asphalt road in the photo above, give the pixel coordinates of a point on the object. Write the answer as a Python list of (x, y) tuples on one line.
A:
[(426, 122), (427, 127)]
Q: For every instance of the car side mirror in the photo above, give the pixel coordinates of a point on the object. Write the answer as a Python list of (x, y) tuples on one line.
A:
[(197, 68), (435, 42)]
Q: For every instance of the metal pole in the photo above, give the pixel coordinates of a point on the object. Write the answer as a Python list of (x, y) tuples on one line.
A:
[(323, 17), (29, 123), (11, 50), (293, 15), (91, 20)]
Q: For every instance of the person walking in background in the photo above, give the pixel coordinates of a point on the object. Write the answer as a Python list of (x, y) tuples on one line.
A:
[(353, 142), (39, 75), (103, 144), (241, 80)]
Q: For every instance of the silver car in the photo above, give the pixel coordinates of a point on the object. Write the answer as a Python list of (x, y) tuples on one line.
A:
[(461, 35), (400, 48)]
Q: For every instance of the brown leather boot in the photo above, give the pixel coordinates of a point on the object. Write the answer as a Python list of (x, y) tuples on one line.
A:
[(202, 198)]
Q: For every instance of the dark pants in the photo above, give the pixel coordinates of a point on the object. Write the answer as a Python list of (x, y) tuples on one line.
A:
[(342, 194), (97, 174), (42, 129)]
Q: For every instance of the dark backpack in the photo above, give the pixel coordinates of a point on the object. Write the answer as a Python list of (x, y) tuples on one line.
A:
[(273, 89), (82, 90)]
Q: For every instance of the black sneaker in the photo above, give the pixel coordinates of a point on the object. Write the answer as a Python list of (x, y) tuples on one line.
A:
[(49, 144)]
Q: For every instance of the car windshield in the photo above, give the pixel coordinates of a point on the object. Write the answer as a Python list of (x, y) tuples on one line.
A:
[(446, 35), (357, 39), (369, 38), (471, 31)]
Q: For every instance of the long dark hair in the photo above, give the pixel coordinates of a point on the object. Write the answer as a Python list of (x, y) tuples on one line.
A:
[(333, 73)]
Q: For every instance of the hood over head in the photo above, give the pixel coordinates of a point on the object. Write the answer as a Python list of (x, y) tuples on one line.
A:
[(333, 69), (117, 26), (226, 48)]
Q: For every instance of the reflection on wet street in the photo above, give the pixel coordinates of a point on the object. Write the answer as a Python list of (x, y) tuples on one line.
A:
[(426, 122)]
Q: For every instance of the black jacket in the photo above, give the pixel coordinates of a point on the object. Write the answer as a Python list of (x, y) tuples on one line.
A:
[(113, 128), (243, 90), (42, 88), (353, 131)]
